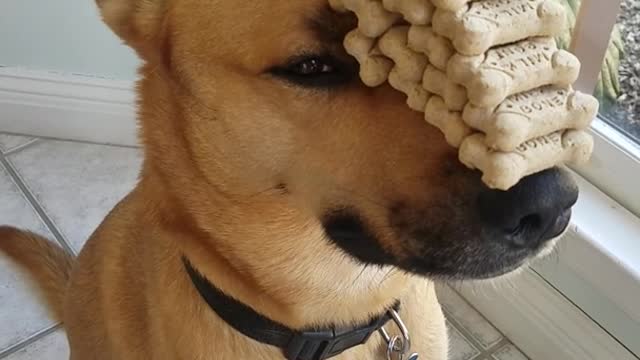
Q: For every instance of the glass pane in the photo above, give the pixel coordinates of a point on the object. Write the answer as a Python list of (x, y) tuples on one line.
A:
[(618, 87), (619, 83)]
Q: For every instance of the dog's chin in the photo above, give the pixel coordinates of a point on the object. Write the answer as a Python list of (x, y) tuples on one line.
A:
[(513, 270), (441, 256), (509, 270)]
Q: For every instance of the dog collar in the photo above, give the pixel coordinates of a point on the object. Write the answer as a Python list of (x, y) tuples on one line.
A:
[(317, 344)]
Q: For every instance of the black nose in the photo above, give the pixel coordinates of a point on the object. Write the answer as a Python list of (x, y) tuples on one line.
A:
[(536, 210)]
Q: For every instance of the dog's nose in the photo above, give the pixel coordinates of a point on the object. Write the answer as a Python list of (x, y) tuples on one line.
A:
[(536, 210)]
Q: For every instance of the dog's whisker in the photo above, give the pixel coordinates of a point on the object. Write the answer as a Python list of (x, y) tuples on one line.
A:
[(389, 274), (355, 280), (555, 254)]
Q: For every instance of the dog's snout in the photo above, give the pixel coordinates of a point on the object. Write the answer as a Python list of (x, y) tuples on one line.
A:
[(536, 210)]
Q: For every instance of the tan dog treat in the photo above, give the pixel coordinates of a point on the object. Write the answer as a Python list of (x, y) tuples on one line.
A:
[(449, 122), (409, 63), (338, 5), (502, 170), (437, 82), (532, 114), (373, 18), (512, 69), (451, 5), (484, 24), (374, 67), (417, 96), (437, 48), (418, 12)]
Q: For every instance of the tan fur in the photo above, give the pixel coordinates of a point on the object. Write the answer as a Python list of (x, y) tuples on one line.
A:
[(238, 169), (48, 265)]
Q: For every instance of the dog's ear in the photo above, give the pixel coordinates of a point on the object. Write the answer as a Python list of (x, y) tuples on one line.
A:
[(138, 22)]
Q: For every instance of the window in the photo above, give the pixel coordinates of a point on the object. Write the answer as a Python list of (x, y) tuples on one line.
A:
[(606, 37), (619, 83)]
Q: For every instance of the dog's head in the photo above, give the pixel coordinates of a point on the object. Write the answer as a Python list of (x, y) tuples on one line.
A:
[(254, 117)]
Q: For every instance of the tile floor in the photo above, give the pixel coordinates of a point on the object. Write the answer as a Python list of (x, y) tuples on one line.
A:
[(64, 189)]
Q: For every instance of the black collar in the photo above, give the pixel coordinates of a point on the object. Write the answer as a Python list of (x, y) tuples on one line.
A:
[(317, 344)]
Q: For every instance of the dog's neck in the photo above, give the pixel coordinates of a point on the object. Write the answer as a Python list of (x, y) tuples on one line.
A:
[(311, 344)]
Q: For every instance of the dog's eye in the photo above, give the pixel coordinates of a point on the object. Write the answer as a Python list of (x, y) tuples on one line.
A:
[(314, 71), (311, 67)]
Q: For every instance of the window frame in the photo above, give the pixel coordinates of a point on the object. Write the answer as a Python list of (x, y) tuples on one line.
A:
[(615, 166), (614, 153)]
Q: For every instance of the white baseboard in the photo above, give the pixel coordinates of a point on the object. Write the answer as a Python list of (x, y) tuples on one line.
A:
[(542, 322), (67, 106)]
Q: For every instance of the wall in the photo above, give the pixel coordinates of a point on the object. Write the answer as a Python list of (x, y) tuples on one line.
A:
[(62, 35)]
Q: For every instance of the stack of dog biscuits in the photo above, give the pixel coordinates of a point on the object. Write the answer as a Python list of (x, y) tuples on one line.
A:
[(487, 73)]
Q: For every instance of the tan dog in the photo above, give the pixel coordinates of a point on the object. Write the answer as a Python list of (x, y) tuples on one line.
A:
[(287, 183)]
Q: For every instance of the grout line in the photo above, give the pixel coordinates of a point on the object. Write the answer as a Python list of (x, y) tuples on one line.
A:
[(466, 333), (485, 354), (20, 147), (476, 310), (505, 340), (94, 143), (28, 341), (79, 141), (488, 353), (26, 192), (72, 141)]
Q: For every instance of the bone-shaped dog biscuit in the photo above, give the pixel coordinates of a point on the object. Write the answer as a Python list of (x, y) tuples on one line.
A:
[(514, 68), (437, 48), (502, 170), (484, 24), (338, 5), (373, 18), (417, 96), (417, 12), (409, 63), (509, 76), (451, 5), (449, 122), (437, 82), (532, 114), (374, 67)]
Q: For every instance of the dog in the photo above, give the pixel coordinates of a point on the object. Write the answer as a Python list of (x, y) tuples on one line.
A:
[(278, 189)]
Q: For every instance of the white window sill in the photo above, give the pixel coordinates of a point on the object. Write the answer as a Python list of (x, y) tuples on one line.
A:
[(597, 266), (615, 166), (611, 229)]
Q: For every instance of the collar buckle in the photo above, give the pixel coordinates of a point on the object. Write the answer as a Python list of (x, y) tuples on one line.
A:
[(324, 345)]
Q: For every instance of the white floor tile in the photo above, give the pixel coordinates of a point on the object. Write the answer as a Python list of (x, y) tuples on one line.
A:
[(8, 142), (21, 314), (459, 347), (509, 352), (471, 320), (77, 184), (52, 347)]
